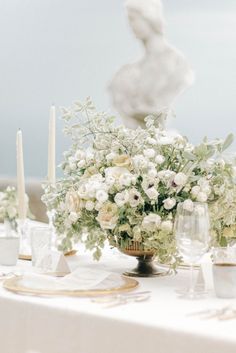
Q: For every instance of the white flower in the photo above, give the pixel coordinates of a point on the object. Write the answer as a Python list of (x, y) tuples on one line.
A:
[(83, 191), (125, 179), (134, 198), (110, 180), (167, 226), (140, 162), (152, 173), (188, 205), (89, 205), (151, 222), (73, 217), (152, 193), (169, 203), (149, 153), (110, 156), (121, 198), (166, 176), (116, 172), (159, 159), (11, 211), (108, 216), (81, 163), (101, 196), (195, 190), (151, 141), (79, 155), (202, 197), (180, 179)]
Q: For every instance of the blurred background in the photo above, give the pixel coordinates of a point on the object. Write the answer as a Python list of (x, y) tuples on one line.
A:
[(56, 51)]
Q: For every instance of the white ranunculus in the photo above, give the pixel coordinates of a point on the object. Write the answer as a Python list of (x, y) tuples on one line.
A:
[(125, 179), (159, 159), (122, 198), (89, 205), (180, 179), (167, 226), (195, 191), (151, 222), (188, 205), (149, 153), (115, 172), (202, 197), (134, 198), (152, 193), (169, 203), (101, 196)]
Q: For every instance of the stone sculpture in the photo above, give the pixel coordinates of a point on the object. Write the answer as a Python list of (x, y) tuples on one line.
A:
[(151, 84)]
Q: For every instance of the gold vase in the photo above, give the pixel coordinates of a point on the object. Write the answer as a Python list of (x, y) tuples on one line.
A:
[(145, 266)]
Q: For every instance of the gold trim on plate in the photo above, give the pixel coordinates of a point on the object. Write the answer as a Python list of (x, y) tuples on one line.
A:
[(13, 285)]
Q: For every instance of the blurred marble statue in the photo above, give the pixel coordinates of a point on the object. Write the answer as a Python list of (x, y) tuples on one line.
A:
[(151, 84)]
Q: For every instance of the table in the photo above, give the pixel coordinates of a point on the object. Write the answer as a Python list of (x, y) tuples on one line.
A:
[(76, 325)]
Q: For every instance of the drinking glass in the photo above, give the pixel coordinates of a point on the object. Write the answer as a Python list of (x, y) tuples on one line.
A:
[(41, 239), (224, 271), (192, 236)]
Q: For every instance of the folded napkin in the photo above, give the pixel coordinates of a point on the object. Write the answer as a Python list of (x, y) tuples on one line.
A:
[(83, 278)]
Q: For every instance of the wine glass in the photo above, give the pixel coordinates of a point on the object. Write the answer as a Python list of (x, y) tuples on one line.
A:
[(192, 236)]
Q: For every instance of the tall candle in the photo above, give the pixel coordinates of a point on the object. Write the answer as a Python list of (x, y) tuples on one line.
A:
[(20, 177), (52, 146)]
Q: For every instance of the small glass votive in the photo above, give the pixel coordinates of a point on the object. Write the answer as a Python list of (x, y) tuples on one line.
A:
[(224, 272), (41, 241)]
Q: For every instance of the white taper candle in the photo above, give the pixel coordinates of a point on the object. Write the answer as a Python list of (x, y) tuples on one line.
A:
[(52, 146), (22, 209)]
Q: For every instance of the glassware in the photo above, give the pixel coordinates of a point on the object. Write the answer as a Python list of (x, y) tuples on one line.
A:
[(41, 241), (192, 236), (224, 272)]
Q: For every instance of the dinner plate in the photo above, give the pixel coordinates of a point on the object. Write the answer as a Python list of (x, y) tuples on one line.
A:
[(16, 284)]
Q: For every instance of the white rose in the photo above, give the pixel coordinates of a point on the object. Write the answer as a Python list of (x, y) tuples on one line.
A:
[(89, 205), (167, 226), (134, 198), (195, 190), (108, 216), (116, 172), (125, 179), (101, 196), (188, 205), (202, 197), (122, 198), (159, 159), (151, 222), (81, 163), (180, 179), (140, 162), (169, 203), (152, 193), (149, 153)]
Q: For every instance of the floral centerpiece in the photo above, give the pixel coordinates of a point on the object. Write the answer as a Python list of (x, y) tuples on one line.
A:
[(9, 208), (124, 185)]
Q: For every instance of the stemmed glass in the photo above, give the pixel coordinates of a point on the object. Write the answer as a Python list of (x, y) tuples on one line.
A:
[(192, 236)]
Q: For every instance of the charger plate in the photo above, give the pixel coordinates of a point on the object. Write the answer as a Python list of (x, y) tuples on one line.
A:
[(29, 257), (14, 284)]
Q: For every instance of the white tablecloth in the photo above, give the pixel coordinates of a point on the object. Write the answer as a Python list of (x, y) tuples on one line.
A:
[(76, 325)]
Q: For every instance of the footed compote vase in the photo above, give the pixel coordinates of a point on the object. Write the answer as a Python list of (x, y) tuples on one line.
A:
[(145, 266)]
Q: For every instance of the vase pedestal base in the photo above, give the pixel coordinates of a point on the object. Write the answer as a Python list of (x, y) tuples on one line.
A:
[(145, 268)]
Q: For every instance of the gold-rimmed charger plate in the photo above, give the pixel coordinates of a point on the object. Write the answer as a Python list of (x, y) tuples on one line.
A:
[(14, 284)]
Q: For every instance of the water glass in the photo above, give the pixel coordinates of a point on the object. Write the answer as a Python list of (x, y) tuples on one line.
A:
[(41, 240), (224, 272), (192, 236)]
